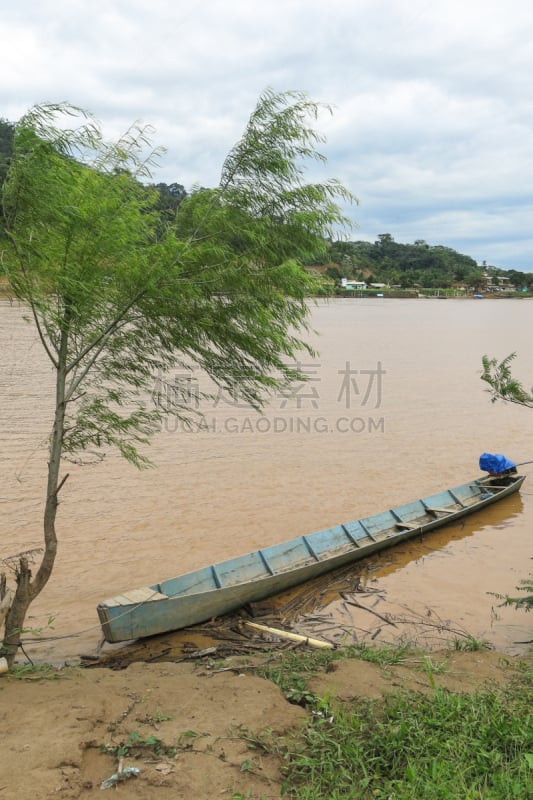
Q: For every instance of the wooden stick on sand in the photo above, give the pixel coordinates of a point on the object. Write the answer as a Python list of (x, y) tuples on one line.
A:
[(293, 637)]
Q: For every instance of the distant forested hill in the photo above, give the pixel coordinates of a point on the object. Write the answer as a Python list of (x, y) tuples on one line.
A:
[(6, 146), (170, 195), (410, 265), (6, 143), (387, 261)]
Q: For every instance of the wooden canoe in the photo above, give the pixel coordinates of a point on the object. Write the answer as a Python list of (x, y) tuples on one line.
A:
[(220, 588)]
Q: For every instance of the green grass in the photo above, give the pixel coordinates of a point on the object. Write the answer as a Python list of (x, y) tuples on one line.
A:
[(470, 644), (37, 672), (293, 669), (407, 746), (411, 747)]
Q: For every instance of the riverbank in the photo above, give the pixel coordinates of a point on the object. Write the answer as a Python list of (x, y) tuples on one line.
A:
[(211, 728), (398, 294), (434, 294)]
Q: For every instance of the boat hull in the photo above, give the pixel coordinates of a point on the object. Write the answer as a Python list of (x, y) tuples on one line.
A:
[(221, 588)]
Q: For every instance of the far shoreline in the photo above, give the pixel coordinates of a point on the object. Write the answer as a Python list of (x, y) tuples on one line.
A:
[(413, 296)]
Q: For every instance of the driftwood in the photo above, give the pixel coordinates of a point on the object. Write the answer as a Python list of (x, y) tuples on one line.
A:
[(292, 637), (351, 602)]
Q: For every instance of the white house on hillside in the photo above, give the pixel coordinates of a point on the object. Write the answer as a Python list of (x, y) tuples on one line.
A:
[(350, 284)]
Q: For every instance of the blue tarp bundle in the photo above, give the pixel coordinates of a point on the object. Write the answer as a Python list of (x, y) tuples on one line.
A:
[(495, 464)]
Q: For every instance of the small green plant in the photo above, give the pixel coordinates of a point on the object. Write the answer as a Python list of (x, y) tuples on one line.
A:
[(470, 644), (135, 743), (49, 625), (187, 739), (524, 603), (300, 696), (503, 385), (254, 741), (383, 656), (115, 724), (36, 672), (154, 719), (433, 668), (212, 664)]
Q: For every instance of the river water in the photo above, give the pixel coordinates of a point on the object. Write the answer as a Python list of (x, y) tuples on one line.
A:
[(394, 409)]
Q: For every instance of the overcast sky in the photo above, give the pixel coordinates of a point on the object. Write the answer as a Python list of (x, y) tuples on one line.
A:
[(433, 121)]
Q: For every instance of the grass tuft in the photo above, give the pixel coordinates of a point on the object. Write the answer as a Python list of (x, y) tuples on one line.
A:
[(470, 644), (35, 672), (293, 669)]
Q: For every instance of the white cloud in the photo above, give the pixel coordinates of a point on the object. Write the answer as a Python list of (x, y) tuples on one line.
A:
[(433, 114)]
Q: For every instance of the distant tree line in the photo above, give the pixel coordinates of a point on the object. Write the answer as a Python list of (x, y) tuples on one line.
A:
[(383, 261), (412, 265), (170, 195), (6, 147)]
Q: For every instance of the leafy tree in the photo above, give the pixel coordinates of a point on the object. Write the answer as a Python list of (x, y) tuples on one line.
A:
[(519, 279), (334, 273), (170, 197), (473, 278), (116, 296), (406, 265), (503, 386), (6, 146), (523, 601)]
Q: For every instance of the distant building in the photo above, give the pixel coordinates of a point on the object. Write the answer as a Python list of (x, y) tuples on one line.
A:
[(349, 284), (498, 283)]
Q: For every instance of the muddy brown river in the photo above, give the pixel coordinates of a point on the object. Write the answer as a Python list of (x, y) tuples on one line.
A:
[(394, 409)]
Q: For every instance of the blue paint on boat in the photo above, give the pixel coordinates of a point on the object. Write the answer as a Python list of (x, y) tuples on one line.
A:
[(220, 588)]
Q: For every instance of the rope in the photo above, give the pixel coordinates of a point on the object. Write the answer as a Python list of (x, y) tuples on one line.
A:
[(86, 630)]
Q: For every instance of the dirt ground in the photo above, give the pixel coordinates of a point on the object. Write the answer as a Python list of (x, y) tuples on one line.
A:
[(185, 726)]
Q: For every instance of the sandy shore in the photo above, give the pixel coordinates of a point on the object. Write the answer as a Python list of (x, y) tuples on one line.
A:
[(184, 726)]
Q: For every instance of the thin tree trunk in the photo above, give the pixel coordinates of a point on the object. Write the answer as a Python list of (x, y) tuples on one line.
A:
[(5, 597), (28, 589), (17, 612)]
